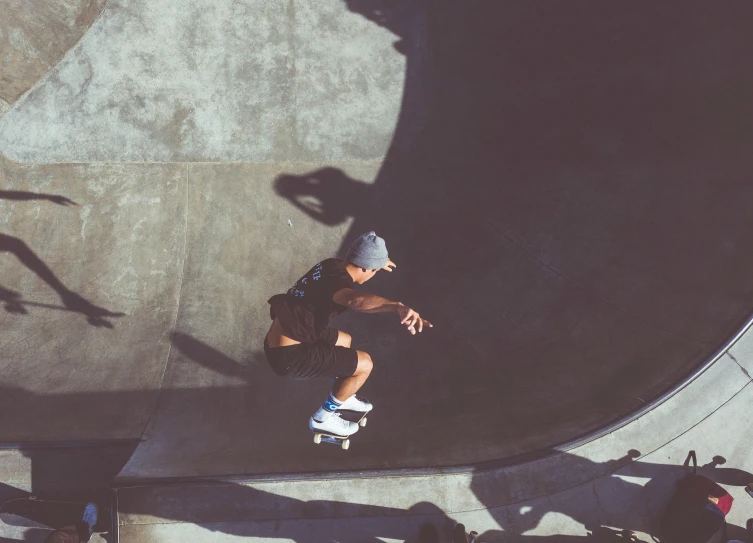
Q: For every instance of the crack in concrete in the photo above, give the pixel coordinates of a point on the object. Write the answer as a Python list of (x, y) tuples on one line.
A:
[(742, 368)]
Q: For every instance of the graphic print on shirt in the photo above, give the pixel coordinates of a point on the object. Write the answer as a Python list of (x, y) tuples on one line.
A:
[(299, 289)]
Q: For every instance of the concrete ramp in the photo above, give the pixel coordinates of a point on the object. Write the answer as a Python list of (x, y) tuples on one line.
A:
[(566, 193)]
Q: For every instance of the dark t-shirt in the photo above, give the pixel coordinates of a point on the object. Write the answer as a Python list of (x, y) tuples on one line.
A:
[(307, 308)]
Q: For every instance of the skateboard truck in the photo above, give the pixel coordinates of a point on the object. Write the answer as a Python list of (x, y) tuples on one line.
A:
[(344, 442), (325, 438)]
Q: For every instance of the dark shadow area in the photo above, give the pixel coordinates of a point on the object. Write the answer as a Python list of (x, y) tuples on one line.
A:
[(327, 195), (215, 360), (14, 302), (563, 219), (223, 507), (77, 473), (63, 479)]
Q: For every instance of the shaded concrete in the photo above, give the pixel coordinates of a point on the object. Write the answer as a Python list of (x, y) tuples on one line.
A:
[(34, 36), (218, 81), (81, 473)]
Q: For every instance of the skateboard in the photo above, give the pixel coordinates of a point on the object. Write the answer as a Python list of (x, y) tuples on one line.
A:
[(54, 513), (359, 417)]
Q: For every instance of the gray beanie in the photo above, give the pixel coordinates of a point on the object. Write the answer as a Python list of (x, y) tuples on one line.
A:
[(369, 252)]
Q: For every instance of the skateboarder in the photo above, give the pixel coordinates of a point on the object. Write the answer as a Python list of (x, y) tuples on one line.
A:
[(301, 345)]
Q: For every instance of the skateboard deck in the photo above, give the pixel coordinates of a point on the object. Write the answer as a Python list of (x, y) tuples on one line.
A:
[(54, 513), (358, 417)]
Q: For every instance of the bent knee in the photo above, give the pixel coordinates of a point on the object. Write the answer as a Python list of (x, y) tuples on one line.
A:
[(365, 365)]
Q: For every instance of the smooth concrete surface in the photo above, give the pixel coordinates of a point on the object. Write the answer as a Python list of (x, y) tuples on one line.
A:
[(89, 291), (574, 218), (159, 80), (34, 36), (621, 481)]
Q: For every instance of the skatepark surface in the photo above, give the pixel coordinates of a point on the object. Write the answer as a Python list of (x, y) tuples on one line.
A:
[(566, 191)]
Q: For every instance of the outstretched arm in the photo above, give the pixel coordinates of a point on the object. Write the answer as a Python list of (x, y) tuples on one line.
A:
[(363, 302)]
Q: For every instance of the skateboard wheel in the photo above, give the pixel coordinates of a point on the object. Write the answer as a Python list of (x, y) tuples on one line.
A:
[(317, 438), (346, 444), (362, 422)]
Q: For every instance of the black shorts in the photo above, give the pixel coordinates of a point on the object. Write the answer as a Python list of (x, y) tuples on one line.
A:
[(309, 360)]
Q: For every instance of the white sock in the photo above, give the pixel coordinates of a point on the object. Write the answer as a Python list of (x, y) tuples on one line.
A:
[(331, 404)]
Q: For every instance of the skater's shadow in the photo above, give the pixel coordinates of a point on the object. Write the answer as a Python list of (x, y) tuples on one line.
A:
[(327, 195), (214, 359), (14, 302)]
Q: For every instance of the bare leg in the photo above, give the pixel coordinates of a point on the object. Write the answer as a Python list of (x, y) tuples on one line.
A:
[(345, 387)]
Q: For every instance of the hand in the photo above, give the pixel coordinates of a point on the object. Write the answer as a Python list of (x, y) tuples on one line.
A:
[(411, 319), (389, 266)]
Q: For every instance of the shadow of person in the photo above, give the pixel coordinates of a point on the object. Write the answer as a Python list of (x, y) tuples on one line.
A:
[(72, 301), (725, 476), (24, 195), (245, 511), (615, 517), (615, 498), (213, 359), (12, 301), (327, 195)]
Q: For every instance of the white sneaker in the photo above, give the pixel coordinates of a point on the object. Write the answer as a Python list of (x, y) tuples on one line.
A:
[(333, 425), (354, 403)]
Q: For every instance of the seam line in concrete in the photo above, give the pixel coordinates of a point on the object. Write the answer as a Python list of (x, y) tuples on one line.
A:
[(294, 66), (200, 162), (183, 259)]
